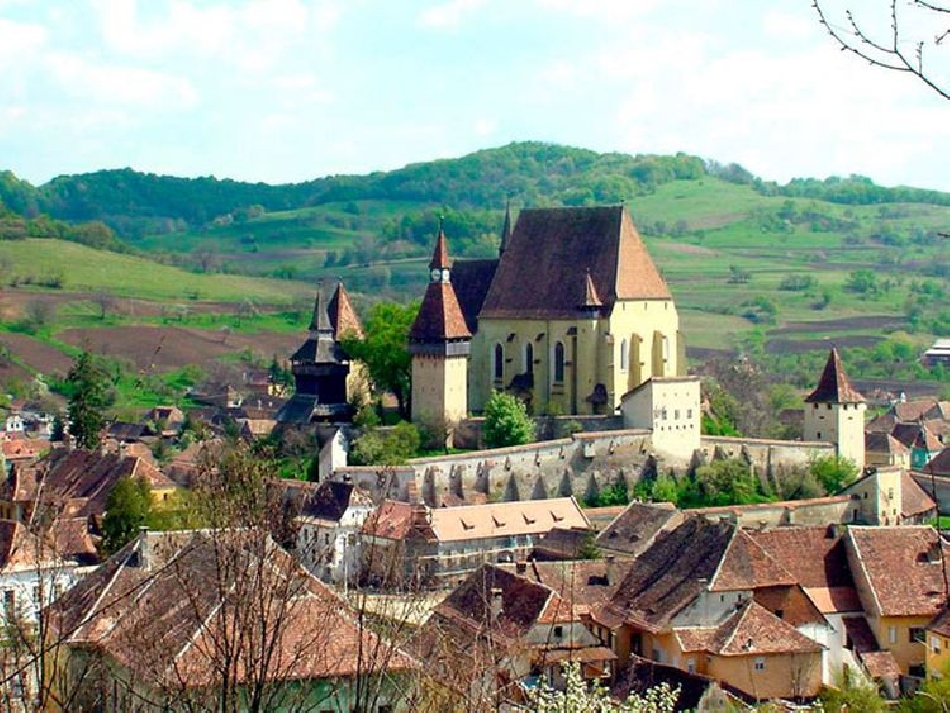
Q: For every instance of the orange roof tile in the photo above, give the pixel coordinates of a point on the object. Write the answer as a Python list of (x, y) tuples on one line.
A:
[(834, 385)]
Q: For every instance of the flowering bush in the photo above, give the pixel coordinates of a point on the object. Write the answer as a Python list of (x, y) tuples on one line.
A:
[(578, 697)]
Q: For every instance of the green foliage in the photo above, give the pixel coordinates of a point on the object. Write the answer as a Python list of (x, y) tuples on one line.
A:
[(127, 509), (506, 421), (397, 446), (384, 349), (852, 695), (86, 382), (665, 489), (932, 697), (722, 482), (833, 472)]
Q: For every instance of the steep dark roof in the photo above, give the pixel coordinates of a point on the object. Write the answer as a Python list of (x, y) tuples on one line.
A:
[(939, 464), (541, 273), (880, 442), (834, 386), (505, 229), (634, 529), (914, 435), (321, 347), (331, 500), (440, 316), (440, 256), (522, 601), (671, 573), (343, 317), (471, 280)]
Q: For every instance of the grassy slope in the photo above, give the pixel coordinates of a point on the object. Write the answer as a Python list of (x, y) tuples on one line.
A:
[(93, 270)]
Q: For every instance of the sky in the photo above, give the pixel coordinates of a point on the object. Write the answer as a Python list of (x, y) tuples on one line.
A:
[(290, 90)]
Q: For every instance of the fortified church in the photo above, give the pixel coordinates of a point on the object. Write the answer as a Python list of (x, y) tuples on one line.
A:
[(572, 315)]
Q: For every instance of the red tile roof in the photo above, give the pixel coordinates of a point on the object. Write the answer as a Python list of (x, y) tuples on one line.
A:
[(903, 567), (914, 500), (440, 317), (343, 317), (182, 607), (753, 630), (745, 565), (881, 665), (440, 256), (834, 385)]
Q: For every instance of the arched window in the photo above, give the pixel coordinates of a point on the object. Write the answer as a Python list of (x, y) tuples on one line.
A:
[(624, 354), (498, 367), (529, 358), (559, 363)]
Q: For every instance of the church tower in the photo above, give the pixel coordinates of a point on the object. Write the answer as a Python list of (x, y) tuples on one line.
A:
[(439, 343), (834, 412)]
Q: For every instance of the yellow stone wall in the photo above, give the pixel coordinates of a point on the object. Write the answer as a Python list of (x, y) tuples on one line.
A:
[(938, 653), (439, 389), (893, 634), (780, 675), (591, 356)]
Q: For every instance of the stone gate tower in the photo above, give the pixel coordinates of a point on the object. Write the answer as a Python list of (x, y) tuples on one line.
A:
[(834, 412)]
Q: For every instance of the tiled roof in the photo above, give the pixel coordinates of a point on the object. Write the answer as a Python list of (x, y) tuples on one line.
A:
[(528, 517), (440, 255), (860, 634), (635, 528), (471, 280), (440, 316), (695, 638), (541, 272), (19, 548), (642, 675), (882, 424), (398, 520), (939, 464), (881, 665), (745, 565), (343, 317), (914, 500), (880, 442), (583, 584), (796, 607), (913, 410), (834, 385), (941, 622), (915, 435), (903, 566), (672, 572), (753, 630), (23, 448), (127, 602), (814, 556)]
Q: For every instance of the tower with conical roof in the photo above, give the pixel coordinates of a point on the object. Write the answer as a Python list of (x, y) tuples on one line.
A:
[(320, 367), (439, 342), (835, 410)]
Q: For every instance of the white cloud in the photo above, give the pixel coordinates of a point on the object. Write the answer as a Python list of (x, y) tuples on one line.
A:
[(19, 41), (484, 127), (448, 15), (116, 85)]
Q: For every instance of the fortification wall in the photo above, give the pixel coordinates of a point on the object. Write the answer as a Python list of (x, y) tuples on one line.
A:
[(468, 432), (816, 511), (766, 454)]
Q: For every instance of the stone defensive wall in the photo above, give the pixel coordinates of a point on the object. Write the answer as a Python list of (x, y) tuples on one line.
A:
[(815, 511), (765, 455)]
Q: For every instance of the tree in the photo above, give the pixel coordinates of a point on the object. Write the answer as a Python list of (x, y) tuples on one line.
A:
[(833, 472), (895, 51), (578, 697), (849, 694), (506, 421), (384, 350), (87, 385), (394, 448), (127, 509)]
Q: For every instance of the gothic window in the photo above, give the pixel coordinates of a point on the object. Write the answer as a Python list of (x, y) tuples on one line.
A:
[(529, 358), (559, 362), (624, 354), (499, 363)]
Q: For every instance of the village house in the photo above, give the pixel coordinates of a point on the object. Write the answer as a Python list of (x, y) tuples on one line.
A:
[(883, 450), (21, 451), (156, 622), (499, 633), (889, 496), (32, 575), (328, 530), (636, 527), (405, 543), (921, 441), (900, 577)]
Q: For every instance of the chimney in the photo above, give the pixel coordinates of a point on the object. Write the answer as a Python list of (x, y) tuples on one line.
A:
[(521, 567), (496, 604), (934, 552), (144, 550), (610, 569)]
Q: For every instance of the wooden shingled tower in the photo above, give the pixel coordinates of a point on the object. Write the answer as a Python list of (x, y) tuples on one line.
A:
[(439, 342)]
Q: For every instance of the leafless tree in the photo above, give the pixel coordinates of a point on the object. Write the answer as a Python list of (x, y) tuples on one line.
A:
[(896, 49), (39, 312), (105, 302)]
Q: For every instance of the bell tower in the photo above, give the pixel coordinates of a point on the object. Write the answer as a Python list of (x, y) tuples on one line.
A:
[(439, 343)]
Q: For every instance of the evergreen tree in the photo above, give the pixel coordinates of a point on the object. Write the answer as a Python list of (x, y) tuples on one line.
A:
[(86, 382), (127, 509)]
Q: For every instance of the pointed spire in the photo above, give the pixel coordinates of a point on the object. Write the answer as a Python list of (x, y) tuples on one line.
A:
[(320, 321), (343, 317), (506, 229), (834, 386), (440, 256), (591, 298)]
